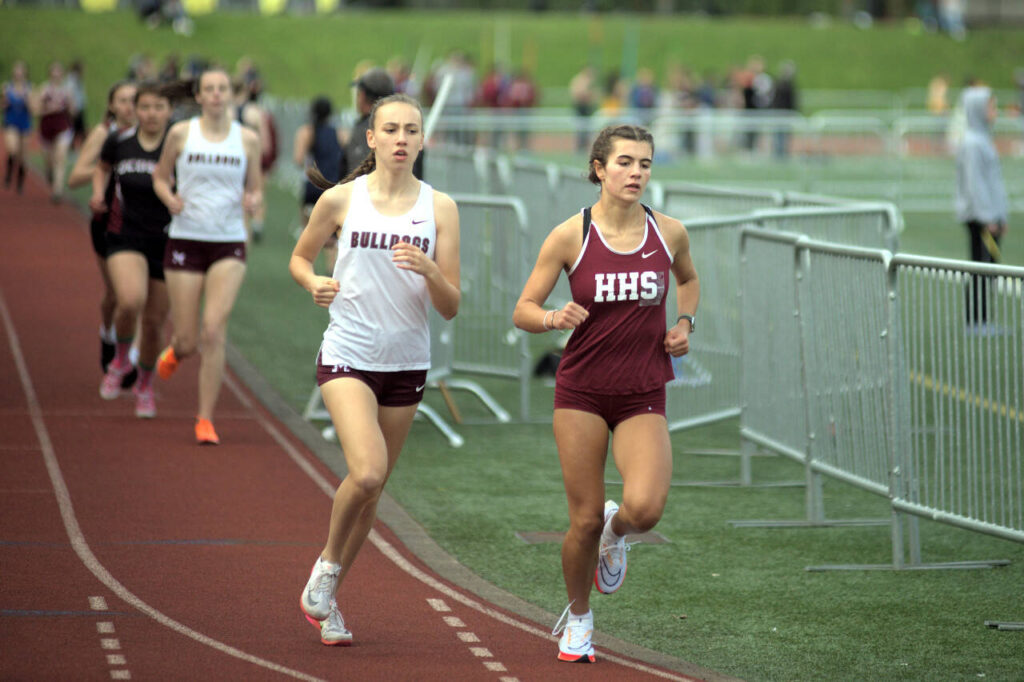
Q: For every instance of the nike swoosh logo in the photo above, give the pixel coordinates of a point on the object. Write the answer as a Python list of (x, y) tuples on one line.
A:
[(420, 388), (648, 255), (417, 222)]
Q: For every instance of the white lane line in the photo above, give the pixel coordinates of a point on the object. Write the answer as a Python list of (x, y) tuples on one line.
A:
[(120, 675), (495, 666), (480, 652), (385, 548), (508, 679), (110, 643), (468, 637), (74, 531), (438, 605), (454, 621), (391, 553), (104, 628), (116, 659)]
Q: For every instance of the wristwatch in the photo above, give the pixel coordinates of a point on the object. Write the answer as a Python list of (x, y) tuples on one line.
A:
[(688, 318)]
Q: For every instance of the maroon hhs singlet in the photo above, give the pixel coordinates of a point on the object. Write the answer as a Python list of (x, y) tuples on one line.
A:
[(620, 347)]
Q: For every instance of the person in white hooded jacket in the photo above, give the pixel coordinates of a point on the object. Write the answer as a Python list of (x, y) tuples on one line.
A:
[(981, 202)]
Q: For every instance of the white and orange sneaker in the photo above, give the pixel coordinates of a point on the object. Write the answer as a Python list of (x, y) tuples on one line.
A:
[(575, 646), (332, 629)]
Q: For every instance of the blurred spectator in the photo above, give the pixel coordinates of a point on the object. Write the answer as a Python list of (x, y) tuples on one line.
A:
[(403, 77), (169, 72), (76, 84), (614, 94), (951, 18), (981, 202), (459, 67), (643, 96), (583, 94), (141, 68), (707, 91), (938, 95), (492, 90), (757, 94), (157, 12), (784, 99), (520, 94), (492, 87)]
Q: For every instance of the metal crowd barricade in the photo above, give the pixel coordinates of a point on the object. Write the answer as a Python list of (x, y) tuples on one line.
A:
[(871, 225), (962, 346), (494, 267), (706, 387), (687, 200), (905, 392)]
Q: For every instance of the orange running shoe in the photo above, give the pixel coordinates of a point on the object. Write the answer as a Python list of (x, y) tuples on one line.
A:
[(205, 435), (167, 363)]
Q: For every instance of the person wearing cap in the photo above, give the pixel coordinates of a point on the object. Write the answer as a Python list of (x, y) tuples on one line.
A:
[(373, 85)]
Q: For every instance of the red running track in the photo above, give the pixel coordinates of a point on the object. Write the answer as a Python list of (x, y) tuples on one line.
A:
[(129, 552)]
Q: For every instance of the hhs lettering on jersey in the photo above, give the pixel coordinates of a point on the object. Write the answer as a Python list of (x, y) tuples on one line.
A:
[(647, 287), (380, 240)]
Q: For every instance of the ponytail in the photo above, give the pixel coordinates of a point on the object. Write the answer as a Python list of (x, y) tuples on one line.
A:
[(368, 165)]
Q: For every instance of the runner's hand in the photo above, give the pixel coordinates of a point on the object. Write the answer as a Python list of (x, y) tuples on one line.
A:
[(324, 289), (252, 201), (97, 204), (569, 317), (409, 257), (677, 340), (177, 204)]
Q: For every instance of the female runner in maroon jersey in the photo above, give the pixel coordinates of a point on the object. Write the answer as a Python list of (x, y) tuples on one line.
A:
[(612, 376)]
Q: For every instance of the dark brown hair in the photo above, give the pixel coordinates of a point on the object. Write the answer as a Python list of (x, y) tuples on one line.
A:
[(602, 146), (151, 88), (187, 88), (111, 93), (370, 162)]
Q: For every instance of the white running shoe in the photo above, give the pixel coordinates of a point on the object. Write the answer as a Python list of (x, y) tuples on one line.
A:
[(611, 557), (332, 629), (574, 645), (319, 591)]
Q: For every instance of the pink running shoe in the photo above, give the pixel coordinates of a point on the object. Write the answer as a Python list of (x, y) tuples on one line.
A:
[(145, 403), (110, 387)]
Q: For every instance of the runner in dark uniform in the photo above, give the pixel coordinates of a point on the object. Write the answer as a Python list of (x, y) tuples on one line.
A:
[(136, 238), (120, 116), (612, 376)]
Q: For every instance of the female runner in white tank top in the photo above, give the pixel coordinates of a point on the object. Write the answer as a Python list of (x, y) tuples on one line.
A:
[(215, 163), (398, 253)]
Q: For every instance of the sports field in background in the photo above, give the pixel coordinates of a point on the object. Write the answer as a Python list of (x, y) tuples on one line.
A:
[(734, 600)]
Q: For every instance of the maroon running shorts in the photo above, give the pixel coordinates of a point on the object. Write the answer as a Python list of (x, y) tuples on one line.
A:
[(392, 389), (199, 256), (613, 408)]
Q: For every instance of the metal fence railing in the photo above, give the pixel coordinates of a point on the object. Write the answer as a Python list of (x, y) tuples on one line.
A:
[(900, 375), (494, 268)]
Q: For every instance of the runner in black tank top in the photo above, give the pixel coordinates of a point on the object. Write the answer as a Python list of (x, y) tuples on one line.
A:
[(120, 116), (613, 373), (136, 235)]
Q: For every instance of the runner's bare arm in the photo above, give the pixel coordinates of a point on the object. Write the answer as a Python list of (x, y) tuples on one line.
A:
[(557, 253), (328, 213), (163, 174)]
